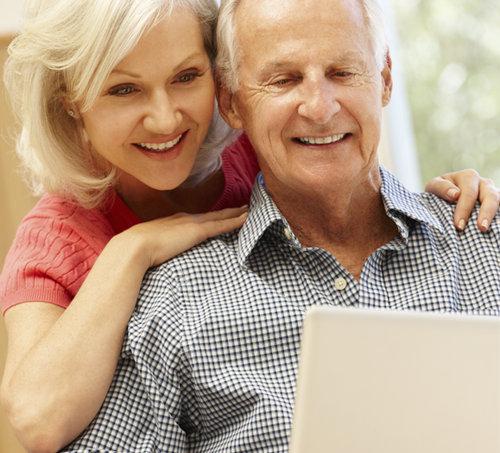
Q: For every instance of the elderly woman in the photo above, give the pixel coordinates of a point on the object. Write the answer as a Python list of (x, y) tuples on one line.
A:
[(116, 101)]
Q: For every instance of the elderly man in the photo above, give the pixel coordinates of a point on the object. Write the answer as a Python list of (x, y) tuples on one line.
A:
[(209, 362)]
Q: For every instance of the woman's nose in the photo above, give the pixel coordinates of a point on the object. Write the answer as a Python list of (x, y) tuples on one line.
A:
[(163, 115)]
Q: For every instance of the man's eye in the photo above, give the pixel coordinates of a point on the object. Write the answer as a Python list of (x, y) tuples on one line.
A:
[(343, 74), (283, 82), (121, 91)]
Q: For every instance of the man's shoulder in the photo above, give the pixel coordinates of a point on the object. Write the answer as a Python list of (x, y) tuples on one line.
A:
[(471, 246), (425, 208), (183, 284), (437, 206), (444, 211), (207, 260)]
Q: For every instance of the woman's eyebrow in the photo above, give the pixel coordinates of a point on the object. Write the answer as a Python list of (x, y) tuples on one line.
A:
[(188, 59), (183, 63), (127, 73)]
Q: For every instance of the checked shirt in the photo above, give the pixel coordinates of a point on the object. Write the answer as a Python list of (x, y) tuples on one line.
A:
[(209, 361)]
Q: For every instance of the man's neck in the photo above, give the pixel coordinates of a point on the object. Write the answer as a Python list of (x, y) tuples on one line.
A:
[(351, 223)]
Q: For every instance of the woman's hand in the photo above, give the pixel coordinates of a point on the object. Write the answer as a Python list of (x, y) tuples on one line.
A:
[(467, 187), (60, 363), (164, 238)]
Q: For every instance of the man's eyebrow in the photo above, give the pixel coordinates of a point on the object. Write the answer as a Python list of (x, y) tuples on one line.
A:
[(277, 65), (183, 63)]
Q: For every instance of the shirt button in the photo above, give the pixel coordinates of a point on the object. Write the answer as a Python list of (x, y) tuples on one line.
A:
[(288, 234), (340, 284)]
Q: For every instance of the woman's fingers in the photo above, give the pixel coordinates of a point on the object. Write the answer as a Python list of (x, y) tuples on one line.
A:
[(443, 188), (467, 187), (215, 223), (489, 196)]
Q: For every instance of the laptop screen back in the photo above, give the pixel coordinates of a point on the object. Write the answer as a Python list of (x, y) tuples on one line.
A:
[(397, 382)]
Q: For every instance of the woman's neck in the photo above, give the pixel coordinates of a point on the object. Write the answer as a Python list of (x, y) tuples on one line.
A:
[(149, 204)]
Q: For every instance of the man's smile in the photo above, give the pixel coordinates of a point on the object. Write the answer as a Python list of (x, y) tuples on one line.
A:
[(321, 140)]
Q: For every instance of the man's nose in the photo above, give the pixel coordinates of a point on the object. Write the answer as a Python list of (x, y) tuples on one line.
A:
[(319, 99), (163, 116)]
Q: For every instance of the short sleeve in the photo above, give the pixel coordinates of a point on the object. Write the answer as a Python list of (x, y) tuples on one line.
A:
[(54, 249)]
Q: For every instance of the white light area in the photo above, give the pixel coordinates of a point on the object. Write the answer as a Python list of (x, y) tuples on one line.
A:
[(11, 15), (399, 140)]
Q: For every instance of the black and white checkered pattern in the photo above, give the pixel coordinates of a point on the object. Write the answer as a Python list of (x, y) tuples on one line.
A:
[(209, 361)]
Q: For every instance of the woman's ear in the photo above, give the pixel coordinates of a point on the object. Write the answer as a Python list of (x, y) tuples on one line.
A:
[(70, 108), (227, 105)]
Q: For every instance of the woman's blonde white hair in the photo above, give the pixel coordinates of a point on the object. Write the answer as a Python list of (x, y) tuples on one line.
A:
[(228, 52), (67, 50)]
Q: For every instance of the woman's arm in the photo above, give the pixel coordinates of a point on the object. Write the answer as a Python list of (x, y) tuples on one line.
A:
[(467, 187), (60, 362)]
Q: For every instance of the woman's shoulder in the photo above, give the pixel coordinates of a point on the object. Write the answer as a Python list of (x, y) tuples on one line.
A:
[(54, 248), (57, 217), (240, 166), (241, 155)]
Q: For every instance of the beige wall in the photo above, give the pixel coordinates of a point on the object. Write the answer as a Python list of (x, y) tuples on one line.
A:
[(15, 202)]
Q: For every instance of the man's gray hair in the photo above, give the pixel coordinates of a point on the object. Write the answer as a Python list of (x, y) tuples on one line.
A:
[(228, 52)]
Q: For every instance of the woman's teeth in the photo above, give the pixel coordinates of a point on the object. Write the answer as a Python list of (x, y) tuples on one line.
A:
[(321, 141), (160, 146)]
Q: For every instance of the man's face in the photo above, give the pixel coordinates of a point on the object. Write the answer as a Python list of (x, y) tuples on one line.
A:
[(311, 95)]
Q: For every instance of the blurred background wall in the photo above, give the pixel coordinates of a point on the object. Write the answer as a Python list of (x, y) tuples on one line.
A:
[(450, 57), (15, 201), (11, 13)]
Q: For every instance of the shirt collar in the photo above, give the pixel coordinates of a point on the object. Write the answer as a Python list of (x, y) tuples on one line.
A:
[(262, 214), (401, 205)]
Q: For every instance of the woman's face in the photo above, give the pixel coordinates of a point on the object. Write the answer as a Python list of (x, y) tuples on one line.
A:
[(155, 107)]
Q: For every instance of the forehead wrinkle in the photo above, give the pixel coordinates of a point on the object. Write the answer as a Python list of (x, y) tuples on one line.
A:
[(282, 64)]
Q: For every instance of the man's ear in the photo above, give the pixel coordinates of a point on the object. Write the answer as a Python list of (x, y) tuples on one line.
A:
[(387, 80), (227, 106)]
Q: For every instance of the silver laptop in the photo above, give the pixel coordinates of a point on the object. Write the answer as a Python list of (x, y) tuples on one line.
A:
[(374, 381)]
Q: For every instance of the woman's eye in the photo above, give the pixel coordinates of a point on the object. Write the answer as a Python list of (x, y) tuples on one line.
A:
[(121, 91), (188, 77)]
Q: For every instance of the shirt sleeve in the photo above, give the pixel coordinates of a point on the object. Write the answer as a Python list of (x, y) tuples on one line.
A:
[(143, 410), (127, 420)]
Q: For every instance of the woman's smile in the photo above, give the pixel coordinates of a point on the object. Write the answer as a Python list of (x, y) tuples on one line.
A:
[(163, 151)]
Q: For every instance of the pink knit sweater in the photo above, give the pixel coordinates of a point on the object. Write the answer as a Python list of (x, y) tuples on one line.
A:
[(58, 242)]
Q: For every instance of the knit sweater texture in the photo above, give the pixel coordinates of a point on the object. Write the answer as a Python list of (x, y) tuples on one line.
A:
[(58, 242)]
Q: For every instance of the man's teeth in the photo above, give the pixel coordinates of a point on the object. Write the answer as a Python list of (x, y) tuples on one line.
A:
[(321, 141), (160, 146)]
